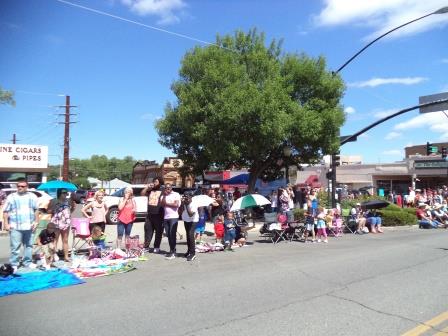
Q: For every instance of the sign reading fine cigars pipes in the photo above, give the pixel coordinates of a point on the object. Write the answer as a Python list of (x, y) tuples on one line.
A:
[(23, 156)]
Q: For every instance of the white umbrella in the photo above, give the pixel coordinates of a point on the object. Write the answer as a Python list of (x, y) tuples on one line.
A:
[(249, 201), (202, 200)]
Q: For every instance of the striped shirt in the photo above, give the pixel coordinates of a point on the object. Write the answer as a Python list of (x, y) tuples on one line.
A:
[(21, 209)]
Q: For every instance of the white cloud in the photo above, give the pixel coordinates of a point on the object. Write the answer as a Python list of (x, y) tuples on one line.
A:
[(436, 122), (147, 116), (384, 113), (445, 60), (383, 15), (384, 81), (393, 152), (166, 10), (349, 110), (392, 135)]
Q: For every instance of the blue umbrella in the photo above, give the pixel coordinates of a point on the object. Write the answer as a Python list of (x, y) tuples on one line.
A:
[(56, 184)]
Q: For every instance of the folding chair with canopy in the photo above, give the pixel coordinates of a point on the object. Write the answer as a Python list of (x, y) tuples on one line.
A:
[(80, 232), (349, 223)]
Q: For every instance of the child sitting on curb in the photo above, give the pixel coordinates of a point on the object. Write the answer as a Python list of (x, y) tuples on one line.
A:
[(230, 231), (45, 245)]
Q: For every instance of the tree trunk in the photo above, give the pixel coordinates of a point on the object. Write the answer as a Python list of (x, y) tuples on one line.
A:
[(252, 180)]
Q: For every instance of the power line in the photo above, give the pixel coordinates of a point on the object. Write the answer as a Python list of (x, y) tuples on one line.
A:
[(40, 93), (143, 25)]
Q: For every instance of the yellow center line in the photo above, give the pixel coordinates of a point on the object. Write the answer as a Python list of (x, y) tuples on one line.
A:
[(420, 329), (444, 332)]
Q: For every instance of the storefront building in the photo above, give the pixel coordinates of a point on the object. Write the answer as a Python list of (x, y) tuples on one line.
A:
[(416, 170), (23, 161)]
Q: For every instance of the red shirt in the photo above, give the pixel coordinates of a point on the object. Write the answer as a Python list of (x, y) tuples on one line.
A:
[(420, 214)]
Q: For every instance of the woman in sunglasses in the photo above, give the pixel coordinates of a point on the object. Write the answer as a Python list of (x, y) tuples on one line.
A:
[(61, 209)]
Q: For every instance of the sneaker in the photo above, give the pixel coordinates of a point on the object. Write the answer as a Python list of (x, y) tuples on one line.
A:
[(191, 257), (156, 250), (170, 256), (326, 241), (314, 240), (319, 240), (186, 255)]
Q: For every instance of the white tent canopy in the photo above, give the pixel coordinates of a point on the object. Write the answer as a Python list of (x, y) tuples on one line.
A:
[(108, 186)]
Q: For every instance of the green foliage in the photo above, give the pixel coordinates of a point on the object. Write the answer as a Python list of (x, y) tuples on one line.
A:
[(240, 104), (98, 166), (350, 203), (7, 97), (299, 214), (322, 197), (410, 211), (398, 217)]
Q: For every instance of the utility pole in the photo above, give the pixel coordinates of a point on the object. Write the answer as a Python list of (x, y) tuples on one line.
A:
[(67, 122), (14, 139)]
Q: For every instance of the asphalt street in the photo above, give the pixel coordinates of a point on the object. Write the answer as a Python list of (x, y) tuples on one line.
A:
[(355, 285)]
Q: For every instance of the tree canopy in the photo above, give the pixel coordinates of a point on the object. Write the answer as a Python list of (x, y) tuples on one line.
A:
[(6, 97), (240, 103), (98, 166)]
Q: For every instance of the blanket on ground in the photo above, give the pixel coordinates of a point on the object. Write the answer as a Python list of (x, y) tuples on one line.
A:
[(34, 281), (84, 268)]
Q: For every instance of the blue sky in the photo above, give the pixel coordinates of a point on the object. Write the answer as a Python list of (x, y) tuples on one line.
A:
[(119, 73)]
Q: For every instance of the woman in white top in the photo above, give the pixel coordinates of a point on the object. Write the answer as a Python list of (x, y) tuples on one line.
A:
[(190, 216), (98, 211)]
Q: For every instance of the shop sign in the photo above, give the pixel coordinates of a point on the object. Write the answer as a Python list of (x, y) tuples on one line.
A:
[(437, 164), (23, 156)]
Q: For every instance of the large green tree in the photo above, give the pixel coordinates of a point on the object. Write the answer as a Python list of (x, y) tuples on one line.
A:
[(240, 103), (7, 97)]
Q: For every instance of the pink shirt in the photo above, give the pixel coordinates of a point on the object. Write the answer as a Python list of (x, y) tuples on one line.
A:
[(127, 214), (171, 212)]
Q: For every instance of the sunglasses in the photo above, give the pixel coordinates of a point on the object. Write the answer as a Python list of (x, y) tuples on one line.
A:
[(21, 186)]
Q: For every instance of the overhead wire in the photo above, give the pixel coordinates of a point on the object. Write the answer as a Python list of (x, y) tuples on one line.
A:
[(143, 24)]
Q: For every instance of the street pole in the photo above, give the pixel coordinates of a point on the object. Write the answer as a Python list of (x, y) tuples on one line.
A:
[(442, 10), (333, 182), (67, 122), (66, 139)]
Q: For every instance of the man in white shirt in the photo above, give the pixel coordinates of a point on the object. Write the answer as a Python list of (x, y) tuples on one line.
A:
[(170, 201), (20, 215)]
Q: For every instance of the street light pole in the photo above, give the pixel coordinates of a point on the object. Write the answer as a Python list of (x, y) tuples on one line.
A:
[(440, 11)]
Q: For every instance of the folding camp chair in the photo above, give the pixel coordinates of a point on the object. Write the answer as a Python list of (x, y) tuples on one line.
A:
[(281, 230), (269, 218), (348, 222), (80, 232)]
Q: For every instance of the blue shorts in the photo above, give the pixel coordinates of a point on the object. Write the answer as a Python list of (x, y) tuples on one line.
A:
[(200, 228)]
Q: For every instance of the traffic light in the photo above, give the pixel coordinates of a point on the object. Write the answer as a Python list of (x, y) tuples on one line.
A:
[(329, 175), (336, 160), (431, 149), (444, 152)]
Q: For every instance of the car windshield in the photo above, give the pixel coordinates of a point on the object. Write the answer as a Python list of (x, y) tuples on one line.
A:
[(119, 193)]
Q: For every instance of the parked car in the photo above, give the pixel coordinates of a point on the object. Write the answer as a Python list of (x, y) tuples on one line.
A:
[(112, 203), (141, 202), (42, 197), (80, 196)]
